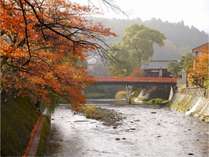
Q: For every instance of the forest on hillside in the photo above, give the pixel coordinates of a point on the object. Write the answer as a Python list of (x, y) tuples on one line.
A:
[(180, 38)]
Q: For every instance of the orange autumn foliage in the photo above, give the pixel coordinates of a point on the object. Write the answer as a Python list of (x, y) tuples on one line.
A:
[(43, 47), (200, 70)]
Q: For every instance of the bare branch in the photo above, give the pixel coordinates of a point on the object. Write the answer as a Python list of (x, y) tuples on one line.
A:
[(26, 32)]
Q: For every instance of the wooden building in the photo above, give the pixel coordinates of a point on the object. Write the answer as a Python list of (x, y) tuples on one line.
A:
[(156, 68), (199, 74), (197, 51)]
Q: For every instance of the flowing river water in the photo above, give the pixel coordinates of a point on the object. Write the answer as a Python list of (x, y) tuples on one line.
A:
[(145, 132)]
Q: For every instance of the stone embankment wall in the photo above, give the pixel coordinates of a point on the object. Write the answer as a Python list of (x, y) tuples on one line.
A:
[(193, 102)]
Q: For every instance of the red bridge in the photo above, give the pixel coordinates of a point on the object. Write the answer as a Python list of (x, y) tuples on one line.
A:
[(159, 87), (136, 80)]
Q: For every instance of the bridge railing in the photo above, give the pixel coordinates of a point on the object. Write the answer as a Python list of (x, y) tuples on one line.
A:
[(136, 79)]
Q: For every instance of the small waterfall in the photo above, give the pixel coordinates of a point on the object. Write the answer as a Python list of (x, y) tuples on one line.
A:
[(142, 95), (171, 94)]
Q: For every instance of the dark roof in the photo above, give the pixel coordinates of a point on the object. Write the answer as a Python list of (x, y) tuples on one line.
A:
[(157, 64)]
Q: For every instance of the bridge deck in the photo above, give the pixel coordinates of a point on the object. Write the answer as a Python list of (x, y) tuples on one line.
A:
[(107, 79)]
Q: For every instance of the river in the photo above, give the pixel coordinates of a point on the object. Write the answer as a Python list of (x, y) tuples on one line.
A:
[(145, 132)]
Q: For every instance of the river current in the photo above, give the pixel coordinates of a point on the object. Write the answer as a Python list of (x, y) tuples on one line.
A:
[(144, 132)]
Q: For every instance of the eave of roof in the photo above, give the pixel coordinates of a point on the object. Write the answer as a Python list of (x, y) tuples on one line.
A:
[(205, 44)]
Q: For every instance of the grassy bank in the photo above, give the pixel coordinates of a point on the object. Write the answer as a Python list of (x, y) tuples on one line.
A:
[(108, 117), (156, 101), (17, 119), (43, 137), (181, 105)]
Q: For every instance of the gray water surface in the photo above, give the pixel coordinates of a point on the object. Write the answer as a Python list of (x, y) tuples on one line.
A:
[(145, 132)]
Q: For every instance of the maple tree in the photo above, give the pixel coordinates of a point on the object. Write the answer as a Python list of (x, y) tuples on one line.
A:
[(43, 45)]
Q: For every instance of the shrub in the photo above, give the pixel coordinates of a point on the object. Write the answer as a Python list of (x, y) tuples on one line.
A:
[(135, 92), (89, 110), (121, 95), (156, 101)]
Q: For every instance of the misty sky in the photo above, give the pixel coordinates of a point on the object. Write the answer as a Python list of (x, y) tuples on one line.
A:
[(192, 12)]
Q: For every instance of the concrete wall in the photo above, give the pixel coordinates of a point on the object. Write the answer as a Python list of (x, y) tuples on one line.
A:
[(191, 105)]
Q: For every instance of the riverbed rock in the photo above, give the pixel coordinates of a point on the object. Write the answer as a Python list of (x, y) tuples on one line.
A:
[(153, 112)]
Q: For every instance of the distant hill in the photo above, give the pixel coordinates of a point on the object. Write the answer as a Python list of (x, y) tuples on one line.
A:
[(180, 38)]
